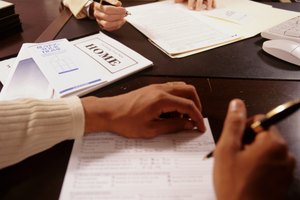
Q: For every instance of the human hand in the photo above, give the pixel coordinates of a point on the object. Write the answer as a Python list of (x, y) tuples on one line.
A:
[(199, 4), (261, 170), (109, 17), (137, 114)]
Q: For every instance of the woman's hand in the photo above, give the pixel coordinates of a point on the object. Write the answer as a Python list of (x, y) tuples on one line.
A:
[(109, 17)]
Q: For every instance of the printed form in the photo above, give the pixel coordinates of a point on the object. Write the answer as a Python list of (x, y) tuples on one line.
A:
[(107, 166), (174, 29), (181, 32)]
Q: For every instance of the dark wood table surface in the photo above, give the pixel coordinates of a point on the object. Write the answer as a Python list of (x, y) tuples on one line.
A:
[(41, 176), (35, 16)]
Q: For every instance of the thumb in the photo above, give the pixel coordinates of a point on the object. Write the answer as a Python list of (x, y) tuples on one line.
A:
[(234, 126)]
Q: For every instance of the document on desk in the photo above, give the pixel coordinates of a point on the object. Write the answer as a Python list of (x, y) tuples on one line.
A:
[(70, 68), (5, 67), (180, 32), (107, 166), (173, 29)]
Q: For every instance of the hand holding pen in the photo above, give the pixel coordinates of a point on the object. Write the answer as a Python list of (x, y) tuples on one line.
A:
[(254, 127), (109, 14), (263, 169)]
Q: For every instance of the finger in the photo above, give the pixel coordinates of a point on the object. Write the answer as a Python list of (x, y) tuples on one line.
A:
[(271, 143), (112, 10), (214, 3), (111, 26), (108, 17), (171, 126), (191, 4), (291, 162), (199, 4), (184, 90), (171, 103), (209, 4), (234, 125)]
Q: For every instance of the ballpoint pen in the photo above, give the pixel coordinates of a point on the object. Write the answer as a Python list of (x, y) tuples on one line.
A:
[(274, 116)]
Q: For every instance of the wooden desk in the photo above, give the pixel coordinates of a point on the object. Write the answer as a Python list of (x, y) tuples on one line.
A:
[(41, 176), (244, 59), (35, 16)]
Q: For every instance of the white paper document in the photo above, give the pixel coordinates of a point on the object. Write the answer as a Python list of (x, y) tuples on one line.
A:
[(25, 79), (5, 67), (60, 68), (180, 32), (174, 29), (64, 66), (107, 166), (5, 4)]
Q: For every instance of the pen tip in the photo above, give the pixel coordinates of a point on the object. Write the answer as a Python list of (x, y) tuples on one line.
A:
[(205, 158)]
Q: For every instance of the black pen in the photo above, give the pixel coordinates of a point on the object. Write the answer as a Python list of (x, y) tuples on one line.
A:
[(274, 116)]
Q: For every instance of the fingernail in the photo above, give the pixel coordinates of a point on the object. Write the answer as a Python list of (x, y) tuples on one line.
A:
[(233, 106)]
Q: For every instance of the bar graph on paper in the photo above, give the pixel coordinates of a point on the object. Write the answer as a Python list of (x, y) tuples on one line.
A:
[(62, 64)]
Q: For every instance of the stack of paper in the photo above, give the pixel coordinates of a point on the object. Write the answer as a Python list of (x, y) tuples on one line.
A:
[(9, 20), (61, 68), (180, 32)]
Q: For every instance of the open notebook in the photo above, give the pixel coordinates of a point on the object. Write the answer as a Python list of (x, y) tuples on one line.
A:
[(180, 32)]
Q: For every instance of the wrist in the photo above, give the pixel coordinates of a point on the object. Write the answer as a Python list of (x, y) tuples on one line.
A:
[(94, 114)]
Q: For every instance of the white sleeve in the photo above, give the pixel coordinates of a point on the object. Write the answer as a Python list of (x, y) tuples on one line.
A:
[(29, 126)]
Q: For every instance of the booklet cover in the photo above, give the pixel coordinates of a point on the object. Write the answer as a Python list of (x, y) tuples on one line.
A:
[(60, 68)]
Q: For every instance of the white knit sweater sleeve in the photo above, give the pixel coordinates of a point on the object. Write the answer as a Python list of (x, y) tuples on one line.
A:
[(30, 126)]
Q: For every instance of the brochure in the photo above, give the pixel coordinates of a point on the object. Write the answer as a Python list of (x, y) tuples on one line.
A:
[(60, 68)]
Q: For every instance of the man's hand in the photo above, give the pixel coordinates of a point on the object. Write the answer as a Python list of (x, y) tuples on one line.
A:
[(137, 113), (261, 170), (199, 4)]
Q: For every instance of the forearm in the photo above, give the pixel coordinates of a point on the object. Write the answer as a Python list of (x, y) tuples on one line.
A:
[(30, 126)]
